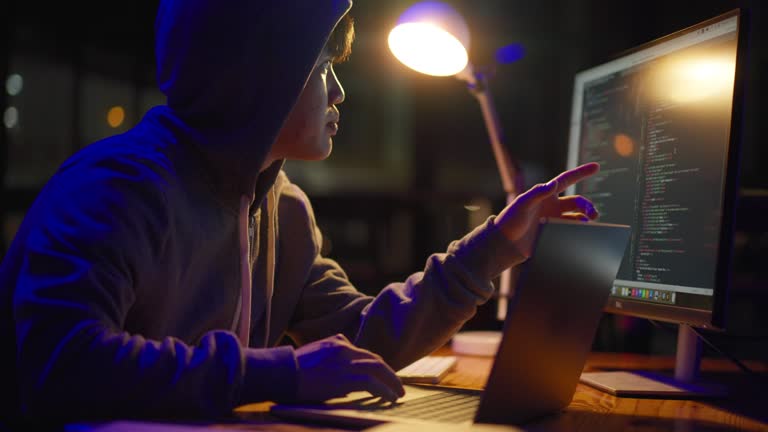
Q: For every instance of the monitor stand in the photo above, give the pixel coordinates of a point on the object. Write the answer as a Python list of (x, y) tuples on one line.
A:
[(650, 384)]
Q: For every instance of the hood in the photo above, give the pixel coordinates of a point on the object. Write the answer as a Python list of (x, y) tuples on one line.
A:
[(232, 70)]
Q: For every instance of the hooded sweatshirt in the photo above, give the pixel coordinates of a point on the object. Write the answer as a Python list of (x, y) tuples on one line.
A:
[(158, 270)]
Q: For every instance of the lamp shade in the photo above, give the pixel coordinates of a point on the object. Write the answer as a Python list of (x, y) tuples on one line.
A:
[(431, 37)]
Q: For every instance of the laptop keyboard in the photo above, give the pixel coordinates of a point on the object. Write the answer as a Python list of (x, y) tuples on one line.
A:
[(447, 407)]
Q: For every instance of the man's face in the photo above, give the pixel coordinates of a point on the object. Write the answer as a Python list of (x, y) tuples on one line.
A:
[(308, 130)]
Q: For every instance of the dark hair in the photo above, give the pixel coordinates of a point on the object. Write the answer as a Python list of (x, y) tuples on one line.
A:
[(340, 42)]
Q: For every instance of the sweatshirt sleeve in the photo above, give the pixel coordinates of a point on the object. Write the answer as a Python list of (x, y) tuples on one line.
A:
[(409, 319), (88, 243)]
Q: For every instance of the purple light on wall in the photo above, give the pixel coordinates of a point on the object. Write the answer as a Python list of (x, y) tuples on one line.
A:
[(510, 53)]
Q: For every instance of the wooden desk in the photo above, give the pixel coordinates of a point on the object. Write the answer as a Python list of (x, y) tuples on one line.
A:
[(591, 410), (594, 410)]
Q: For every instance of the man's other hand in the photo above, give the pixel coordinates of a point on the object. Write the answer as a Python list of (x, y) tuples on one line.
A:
[(518, 221), (333, 367)]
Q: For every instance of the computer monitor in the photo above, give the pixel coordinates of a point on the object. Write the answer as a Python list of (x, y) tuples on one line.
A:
[(663, 121)]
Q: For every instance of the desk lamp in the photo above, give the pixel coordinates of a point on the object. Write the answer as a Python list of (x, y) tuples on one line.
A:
[(432, 38)]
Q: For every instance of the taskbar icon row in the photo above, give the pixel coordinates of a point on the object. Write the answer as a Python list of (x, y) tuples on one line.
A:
[(654, 295)]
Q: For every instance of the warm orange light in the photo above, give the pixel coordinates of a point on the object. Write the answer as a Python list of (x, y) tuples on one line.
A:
[(426, 48), (696, 78), (431, 37), (624, 145), (116, 116)]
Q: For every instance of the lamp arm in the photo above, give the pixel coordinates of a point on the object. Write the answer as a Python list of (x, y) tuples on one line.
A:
[(509, 169)]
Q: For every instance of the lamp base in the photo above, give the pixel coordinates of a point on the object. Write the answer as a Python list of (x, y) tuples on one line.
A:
[(649, 385), (478, 343)]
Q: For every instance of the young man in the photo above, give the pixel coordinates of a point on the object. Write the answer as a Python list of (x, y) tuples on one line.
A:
[(159, 269)]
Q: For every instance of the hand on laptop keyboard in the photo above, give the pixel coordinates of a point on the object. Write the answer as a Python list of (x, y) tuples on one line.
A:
[(333, 367)]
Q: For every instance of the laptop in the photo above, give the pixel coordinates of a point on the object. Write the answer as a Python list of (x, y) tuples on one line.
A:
[(548, 332)]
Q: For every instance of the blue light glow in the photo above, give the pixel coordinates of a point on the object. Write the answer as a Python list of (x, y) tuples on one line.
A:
[(510, 53)]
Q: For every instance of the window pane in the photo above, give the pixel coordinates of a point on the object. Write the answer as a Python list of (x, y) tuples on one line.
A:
[(40, 135), (150, 97), (107, 107)]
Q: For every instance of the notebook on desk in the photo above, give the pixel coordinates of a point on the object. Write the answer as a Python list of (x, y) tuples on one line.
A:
[(547, 335)]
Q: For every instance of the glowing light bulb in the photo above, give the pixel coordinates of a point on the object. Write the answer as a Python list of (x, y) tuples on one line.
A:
[(431, 37), (428, 49)]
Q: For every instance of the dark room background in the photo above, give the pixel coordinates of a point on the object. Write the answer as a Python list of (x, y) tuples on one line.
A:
[(412, 167)]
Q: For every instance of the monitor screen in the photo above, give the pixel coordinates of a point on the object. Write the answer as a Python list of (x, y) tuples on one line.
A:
[(660, 120)]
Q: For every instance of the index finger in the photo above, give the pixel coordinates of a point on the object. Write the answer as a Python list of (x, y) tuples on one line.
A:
[(575, 175), (382, 372)]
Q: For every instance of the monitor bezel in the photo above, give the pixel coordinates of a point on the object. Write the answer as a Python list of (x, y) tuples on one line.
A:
[(716, 318)]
